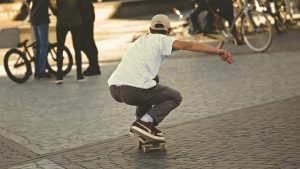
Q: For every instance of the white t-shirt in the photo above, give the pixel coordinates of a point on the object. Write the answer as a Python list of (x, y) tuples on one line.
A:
[(141, 62)]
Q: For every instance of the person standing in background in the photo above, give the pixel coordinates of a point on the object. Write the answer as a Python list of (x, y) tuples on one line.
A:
[(39, 18), (222, 9), (68, 14), (89, 46)]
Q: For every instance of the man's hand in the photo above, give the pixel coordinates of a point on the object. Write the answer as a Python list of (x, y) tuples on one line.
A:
[(226, 56)]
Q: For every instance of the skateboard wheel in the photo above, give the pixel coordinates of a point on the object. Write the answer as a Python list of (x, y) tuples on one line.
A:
[(145, 149), (164, 147), (140, 145)]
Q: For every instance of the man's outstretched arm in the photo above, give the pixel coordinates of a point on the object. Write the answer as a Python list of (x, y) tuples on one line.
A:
[(200, 47)]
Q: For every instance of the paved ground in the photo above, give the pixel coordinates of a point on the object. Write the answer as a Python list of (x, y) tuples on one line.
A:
[(244, 115), (79, 126), (263, 136)]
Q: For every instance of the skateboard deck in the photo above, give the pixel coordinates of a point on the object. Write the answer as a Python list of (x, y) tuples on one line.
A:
[(147, 144)]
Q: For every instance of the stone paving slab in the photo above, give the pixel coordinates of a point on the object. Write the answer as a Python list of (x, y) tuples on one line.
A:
[(266, 136), (11, 152), (42, 164), (47, 120)]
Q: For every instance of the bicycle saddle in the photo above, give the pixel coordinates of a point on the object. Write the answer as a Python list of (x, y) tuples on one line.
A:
[(22, 44)]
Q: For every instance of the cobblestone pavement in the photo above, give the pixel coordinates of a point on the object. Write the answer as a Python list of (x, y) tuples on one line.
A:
[(40, 119), (244, 115), (263, 136)]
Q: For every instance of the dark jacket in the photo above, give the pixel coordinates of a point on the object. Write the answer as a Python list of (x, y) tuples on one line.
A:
[(39, 12), (68, 13), (87, 12)]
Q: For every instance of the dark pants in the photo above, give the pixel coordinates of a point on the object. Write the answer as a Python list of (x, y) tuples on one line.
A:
[(61, 33), (201, 6), (41, 32), (88, 45), (224, 7), (194, 26), (157, 101)]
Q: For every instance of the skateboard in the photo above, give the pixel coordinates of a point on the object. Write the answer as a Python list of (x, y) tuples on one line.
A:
[(147, 145)]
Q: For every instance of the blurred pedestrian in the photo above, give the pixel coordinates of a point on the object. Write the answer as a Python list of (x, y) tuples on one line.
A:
[(39, 18), (221, 9), (135, 82), (199, 6), (224, 9), (88, 42), (68, 20)]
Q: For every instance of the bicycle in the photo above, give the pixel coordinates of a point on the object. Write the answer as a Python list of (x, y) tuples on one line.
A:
[(255, 28), (277, 9), (280, 10), (17, 62)]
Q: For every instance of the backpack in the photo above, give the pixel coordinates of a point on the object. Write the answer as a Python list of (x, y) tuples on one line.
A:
[(206, 21)]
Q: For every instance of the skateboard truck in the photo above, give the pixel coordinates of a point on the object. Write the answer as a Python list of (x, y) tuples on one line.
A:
[(148, 145)]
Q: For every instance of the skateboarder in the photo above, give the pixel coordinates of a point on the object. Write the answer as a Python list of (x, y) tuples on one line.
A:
[(134, 82)]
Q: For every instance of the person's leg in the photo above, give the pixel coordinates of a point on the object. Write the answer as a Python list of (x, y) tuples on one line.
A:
[(226, 11), (93, 47), (76, 38), (193, 21), (36, 50), (61, 34), (84, 39), (142, 110), (90, 49), (161, 99), (115, 92), (43, 30), (164, 100)]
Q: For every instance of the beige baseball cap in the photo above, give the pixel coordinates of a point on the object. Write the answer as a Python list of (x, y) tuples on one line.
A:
[(160, 22)]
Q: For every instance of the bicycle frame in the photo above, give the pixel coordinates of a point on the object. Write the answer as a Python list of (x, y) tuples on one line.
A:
[(242, 12), (26, 50), (29, 55)]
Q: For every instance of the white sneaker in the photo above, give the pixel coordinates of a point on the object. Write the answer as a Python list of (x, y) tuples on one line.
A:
[(81, 79), (58, 82)]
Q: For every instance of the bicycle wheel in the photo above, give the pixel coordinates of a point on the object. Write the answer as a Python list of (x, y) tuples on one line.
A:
[(51, 60), (256, 30), (17, 66)]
